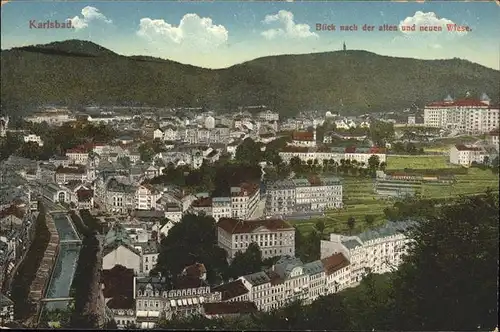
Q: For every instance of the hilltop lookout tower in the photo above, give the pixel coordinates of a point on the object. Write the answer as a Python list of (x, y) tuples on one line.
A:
[(344, 48)]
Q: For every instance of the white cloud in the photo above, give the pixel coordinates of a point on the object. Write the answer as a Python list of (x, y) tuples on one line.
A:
[(88, 14), (430, 19), (194, 31), (289, 28)]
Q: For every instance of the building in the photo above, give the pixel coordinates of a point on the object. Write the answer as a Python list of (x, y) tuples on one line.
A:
[(275, 237), (269, 116), (6, 310), (221, 207), (312, 194), (52, 116), (244, 200), (157, 299), (377, 251), (55, 193), (70, 173), (333, 155), (289, 280), (119, 196), (304, 138), (33, 138), (492, 138), (146, 197), (337, 273), (469, 116), (466, 155), (118, 293), (411, 120), (119, 250)]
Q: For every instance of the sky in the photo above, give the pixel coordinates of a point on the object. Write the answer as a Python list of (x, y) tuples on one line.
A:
[(221, 34)]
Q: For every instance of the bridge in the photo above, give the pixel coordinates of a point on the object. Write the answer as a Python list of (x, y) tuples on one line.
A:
[(57, 299)]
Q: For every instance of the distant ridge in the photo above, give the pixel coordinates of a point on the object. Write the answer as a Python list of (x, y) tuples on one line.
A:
[(76, 72)]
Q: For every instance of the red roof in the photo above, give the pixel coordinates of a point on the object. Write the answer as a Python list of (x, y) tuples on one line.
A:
[(461, 147), (235, 226), (351, 149), (203, 202), (295, 149), (231, 290), (247, 189), (334, 263), (12, 211), (303, 136), (458, 103), (84, 195), (376, 149)]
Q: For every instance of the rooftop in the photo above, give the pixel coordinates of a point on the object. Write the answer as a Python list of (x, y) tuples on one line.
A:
[(235, 226), (231, 290), (334, 263)]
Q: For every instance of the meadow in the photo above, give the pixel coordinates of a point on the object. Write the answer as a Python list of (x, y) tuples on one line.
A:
[(360, 199)]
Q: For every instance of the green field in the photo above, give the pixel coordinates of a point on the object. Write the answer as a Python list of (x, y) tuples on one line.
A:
[(418, 162), (360, 200)]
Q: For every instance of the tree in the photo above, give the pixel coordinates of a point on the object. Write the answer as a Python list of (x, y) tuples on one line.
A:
[(351, 221), (320, 226), (373, 162), (177, 250), (246, 262), (369, 219), (296, 164), (381, 132), (453, 246), (248, 152)]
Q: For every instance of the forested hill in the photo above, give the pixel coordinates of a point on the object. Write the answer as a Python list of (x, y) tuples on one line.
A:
[(77, 72)]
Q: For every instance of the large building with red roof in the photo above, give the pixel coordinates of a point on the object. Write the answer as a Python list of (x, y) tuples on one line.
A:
[(470, 116), (275, 237)]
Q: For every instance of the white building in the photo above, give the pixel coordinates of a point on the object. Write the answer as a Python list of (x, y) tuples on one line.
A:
[(492, 138), (244, 200), (121, 253), (313, 194), (52, 117), (466, 116), (289, 280), (78, 155), (378, 251), (361, 155), (269, 116), (275, 237), (466, 155), (34, 139), (158, 134), (146, 197)]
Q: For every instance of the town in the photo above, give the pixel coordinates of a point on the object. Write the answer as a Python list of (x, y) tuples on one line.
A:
[(140, 215)]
